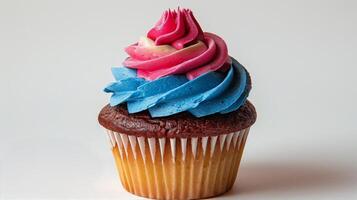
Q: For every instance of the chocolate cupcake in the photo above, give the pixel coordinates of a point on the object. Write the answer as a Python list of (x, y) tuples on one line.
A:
[(178, 116)]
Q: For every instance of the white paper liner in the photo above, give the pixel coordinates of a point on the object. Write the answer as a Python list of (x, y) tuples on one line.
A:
[(210, 164)]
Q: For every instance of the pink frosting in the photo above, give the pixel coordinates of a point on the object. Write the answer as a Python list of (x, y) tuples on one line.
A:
[(178, 28), (179, 47)]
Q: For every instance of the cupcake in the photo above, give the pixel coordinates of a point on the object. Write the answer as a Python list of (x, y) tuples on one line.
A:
[(178, 117)]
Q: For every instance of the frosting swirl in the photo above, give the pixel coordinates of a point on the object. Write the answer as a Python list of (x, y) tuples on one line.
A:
[(178, 28), (177, 45), (177, 68), (213, 92)]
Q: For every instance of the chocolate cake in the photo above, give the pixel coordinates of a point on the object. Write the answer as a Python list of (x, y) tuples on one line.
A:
[(182, 125)]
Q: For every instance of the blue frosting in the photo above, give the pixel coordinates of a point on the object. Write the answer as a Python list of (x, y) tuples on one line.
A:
[(213, 92)]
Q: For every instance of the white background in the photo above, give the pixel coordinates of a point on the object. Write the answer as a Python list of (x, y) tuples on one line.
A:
[(55, 58)]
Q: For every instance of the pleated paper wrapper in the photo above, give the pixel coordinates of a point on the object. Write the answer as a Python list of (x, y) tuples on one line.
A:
[(178, 168)]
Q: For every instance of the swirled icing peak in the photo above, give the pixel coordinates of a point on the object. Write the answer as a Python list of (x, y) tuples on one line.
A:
[(178, 28), (177, 45)]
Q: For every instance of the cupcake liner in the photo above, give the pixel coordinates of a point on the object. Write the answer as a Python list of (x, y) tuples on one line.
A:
[(178, 168)]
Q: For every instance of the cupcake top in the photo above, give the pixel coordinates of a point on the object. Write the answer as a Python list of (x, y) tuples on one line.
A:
[(181, 125), (177, 67)]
